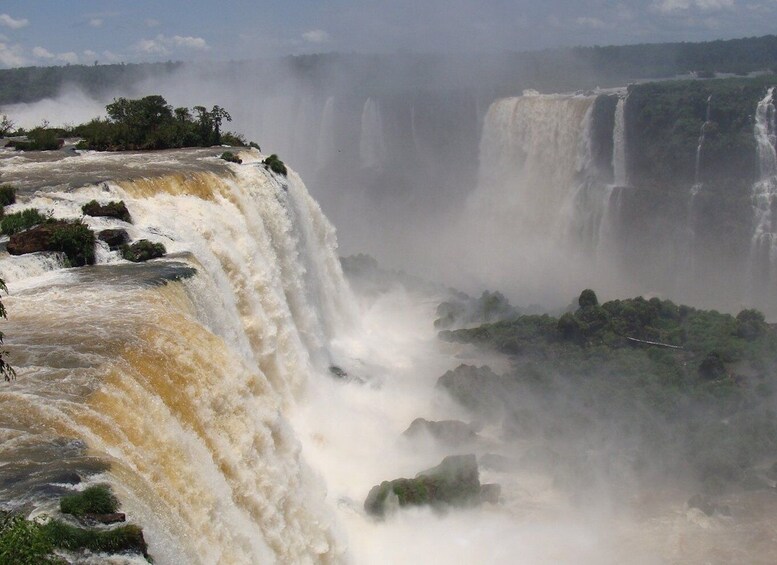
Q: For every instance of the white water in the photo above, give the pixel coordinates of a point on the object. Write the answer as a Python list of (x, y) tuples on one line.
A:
[(540, 198), (697, 185), (764, 242), (620, 177), (185, 389), (372, 148)]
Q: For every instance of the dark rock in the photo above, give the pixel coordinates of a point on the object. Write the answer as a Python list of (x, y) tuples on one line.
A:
[(115, 238), (477, 388), (115, 209), (113, 518), (142, 250), (453, 482), (74, 239), (33, 240), (448, 431), (490, 493), (712, 367), (338, 372)]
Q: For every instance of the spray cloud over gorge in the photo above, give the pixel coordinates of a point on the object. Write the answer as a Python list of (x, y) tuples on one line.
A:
[(304, 404)]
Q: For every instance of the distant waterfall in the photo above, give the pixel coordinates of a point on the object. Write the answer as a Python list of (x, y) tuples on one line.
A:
[(620, 177), (372, 149), (179, 388), (326, 149), (702, 134), (764, 243)]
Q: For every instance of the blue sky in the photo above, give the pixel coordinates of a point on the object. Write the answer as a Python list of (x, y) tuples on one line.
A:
[(49, 32)]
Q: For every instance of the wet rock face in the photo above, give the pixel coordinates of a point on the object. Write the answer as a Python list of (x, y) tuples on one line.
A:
[(116, 210), (454, 482), (33, 240), (115, 238), (445, 431)]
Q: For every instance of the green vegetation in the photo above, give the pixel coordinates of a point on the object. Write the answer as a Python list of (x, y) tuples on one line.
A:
[(41, 138), (274, 164), (20, 221), (24, 542), (454, 482), (142, 250), (114, 540), (151, 123), (6, 370), (96, 499), (687, 390), (115, 209), (75, 240), (7, 194), (231, 157)]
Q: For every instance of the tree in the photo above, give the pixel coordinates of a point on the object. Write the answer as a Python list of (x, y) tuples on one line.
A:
[(6, 125), (7, 371)]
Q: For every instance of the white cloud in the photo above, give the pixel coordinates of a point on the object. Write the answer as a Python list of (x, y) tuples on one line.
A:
[(96, 22), (11, 55), (67, 57), (8, 21), (671, 6), (190, 42), (42, 53), (163, 45), (316, 36), (151, 22), (594, 23)]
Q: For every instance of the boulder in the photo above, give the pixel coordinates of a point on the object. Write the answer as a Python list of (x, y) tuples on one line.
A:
[(115, 238), (454, 482), (74, 239), (33, 240), (447, 431), (115, 209), (477, 388), (142, 250)]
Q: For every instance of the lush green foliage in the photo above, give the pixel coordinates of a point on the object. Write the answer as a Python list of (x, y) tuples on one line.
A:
[(275, 165), (142, 250), (7, 194), (123, 538), (75, 240), (231, 157), (690, 388), (115, 209), (151, 123), (20, 221), (40, 139), (24, 542), (96, 499)]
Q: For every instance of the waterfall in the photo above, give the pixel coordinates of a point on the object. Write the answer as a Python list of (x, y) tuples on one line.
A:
[(764, 241), (541, 197), (372, 149), (326, 148), (177, 390), (619, 144), (702, 133)]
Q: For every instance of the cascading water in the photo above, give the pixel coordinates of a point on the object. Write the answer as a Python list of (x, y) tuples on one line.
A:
[(620, 177), (372, 149), (325, 150), (764, 242), (176, 390), (702, 133), (540, 186)]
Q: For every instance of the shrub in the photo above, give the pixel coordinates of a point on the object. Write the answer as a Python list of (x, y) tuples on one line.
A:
[(274, 164), (255, 145), (24, 542), (76, 241), (124, 538), (20, 221), (7, 194), (231, 157), (142, 250), (97, 499), (115, 209)]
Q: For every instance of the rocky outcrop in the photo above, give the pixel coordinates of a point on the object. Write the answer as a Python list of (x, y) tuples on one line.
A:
[(477, 388), (74, 239), (446, 431), (115, 238), (142, 250), (115, 209), (454, 482)]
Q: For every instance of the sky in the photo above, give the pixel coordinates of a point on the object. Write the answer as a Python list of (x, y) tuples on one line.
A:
[(56, 32)]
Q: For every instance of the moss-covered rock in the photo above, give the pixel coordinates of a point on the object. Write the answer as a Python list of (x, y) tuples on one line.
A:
[(230, 157), (116, 209), (115, 238), (454, 482), (143, 250), (7, 194), (72, 238), (274, 164), (20, 221), (96, 499), (124, 538)]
